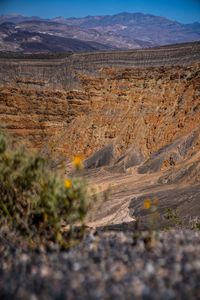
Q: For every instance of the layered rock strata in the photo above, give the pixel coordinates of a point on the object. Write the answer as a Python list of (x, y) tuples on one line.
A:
[(147, 107), (59, 72)]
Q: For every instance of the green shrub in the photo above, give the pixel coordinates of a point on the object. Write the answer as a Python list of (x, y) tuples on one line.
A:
[(34, 202)]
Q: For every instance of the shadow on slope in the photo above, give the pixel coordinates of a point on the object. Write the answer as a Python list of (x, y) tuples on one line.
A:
[(172, 175), (171, 154), (107, 157), (184, 201)]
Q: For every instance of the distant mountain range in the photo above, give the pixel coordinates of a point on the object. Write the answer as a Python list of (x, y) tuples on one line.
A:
[(92, 33)]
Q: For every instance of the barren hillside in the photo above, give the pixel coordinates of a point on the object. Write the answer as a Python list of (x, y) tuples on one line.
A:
[(92, 33)]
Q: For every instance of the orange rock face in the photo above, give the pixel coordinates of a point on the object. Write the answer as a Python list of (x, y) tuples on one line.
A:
[(146, 107)]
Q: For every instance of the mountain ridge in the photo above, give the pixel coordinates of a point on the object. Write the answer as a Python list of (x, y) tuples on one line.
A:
[(18, 17), (120, 31)]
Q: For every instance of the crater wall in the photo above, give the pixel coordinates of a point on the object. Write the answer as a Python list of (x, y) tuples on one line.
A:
[(61, 73)]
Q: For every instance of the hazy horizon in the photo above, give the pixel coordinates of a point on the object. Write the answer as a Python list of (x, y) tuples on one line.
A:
[(183, 11)]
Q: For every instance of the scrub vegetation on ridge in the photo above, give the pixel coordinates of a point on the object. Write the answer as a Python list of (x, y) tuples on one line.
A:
[(36, 203)]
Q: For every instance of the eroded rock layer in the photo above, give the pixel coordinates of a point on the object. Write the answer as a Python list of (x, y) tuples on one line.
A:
[(146, 107), (58, 71)]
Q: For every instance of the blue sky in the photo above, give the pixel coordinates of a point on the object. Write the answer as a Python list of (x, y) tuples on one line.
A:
[(185, 11)]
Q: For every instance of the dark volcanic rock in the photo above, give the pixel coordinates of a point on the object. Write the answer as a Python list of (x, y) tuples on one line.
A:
[(131, 158), (170, 154), (189, 174), (107, 157), (182, 200), (103, 157)]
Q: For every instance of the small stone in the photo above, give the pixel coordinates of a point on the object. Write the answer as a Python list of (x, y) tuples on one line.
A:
[(45, 271), (150, 268), (24, 258)]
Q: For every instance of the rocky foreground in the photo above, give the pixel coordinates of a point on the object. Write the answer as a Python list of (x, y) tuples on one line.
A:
[(105, 265)]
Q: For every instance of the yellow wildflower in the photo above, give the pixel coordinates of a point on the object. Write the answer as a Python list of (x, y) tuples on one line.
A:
[(77, 162), (68, 183), (147, 204)]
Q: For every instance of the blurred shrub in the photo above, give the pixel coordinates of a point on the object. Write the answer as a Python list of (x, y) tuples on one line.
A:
[(34, 202)]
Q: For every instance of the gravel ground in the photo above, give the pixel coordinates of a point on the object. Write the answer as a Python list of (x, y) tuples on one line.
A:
[(105, 265)]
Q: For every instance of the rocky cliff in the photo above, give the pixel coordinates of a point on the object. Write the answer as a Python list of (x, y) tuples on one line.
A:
[(59, 71), (107, 98), (136, 118)]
